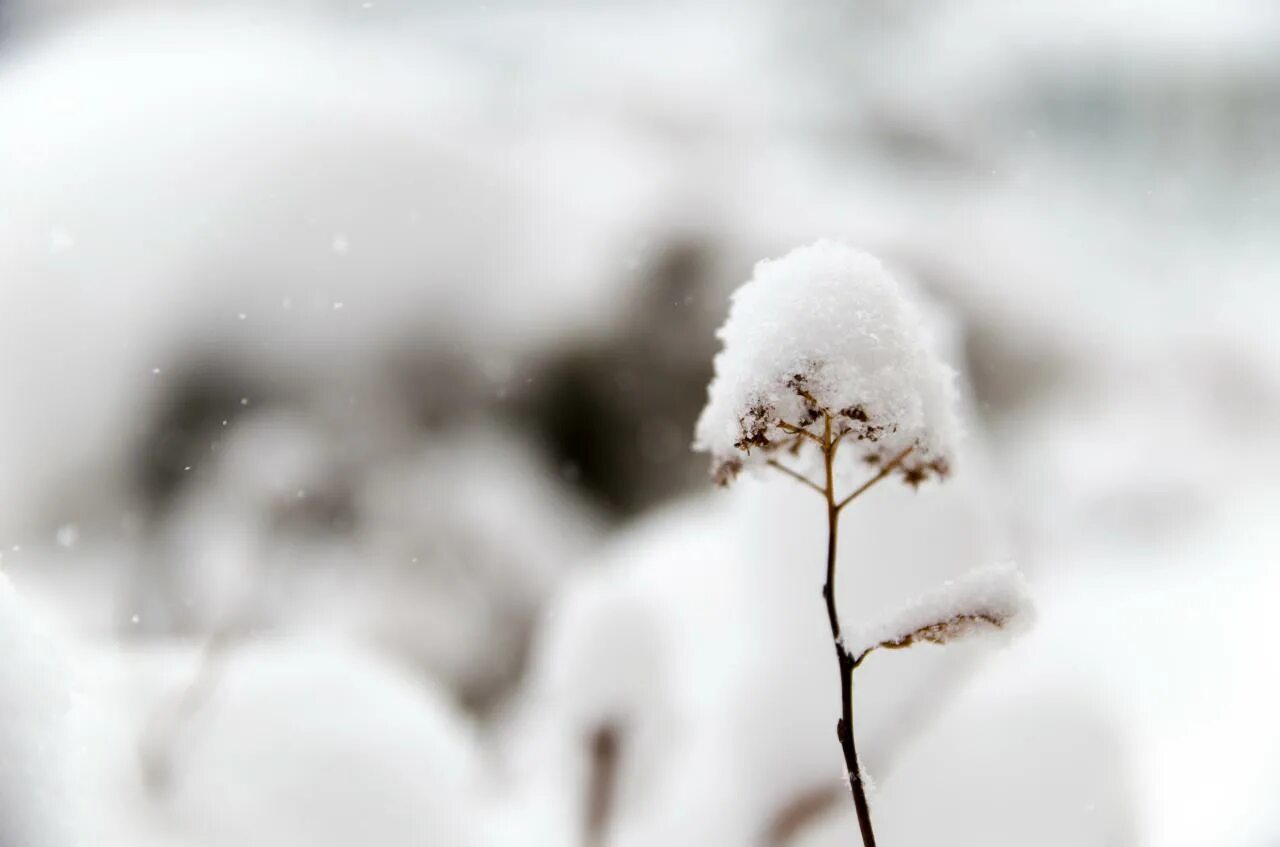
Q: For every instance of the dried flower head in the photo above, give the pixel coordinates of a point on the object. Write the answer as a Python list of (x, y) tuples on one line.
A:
[(827, 332), (986, 600)]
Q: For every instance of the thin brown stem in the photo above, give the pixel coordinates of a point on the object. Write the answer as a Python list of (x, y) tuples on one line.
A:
[(800, 431), (845, 660), (796, 475), (884, 472)]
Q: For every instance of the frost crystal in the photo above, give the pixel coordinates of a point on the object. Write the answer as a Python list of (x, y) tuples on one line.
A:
[(987, 599), (826, 331)]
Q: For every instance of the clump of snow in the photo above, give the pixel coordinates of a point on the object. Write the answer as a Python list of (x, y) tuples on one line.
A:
[(34, 748), (987, 599), (302, 741), (826, 331), (323, 744)]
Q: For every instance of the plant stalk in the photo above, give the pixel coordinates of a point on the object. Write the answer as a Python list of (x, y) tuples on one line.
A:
[(846, 661)]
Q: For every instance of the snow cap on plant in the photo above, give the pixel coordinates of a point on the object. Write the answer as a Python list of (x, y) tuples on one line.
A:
[(826, 331)]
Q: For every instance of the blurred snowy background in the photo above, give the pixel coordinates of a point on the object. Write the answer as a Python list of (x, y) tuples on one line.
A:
[(349, 357)]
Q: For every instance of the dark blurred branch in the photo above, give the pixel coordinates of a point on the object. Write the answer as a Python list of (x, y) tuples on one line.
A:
[(798, 814), (604, 748)]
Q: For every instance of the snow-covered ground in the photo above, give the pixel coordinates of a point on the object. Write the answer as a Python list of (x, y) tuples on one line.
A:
[(350, 353)]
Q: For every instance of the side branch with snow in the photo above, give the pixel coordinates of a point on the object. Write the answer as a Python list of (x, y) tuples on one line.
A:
[(991, 599)]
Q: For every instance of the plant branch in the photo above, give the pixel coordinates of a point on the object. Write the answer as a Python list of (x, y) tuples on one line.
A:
[(796, 475), (884, 472), (845, 660), (801, 431)]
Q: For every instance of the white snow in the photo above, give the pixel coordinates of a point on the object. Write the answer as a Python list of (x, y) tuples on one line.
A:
[(34, 741), (299, 741), (827, 328), (1089, 188), (993, 598)]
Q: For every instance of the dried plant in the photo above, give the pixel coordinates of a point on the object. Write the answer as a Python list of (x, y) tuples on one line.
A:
[(822, 351)]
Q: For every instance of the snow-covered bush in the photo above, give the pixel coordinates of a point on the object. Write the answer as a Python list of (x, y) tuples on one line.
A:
[(823, 347)]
